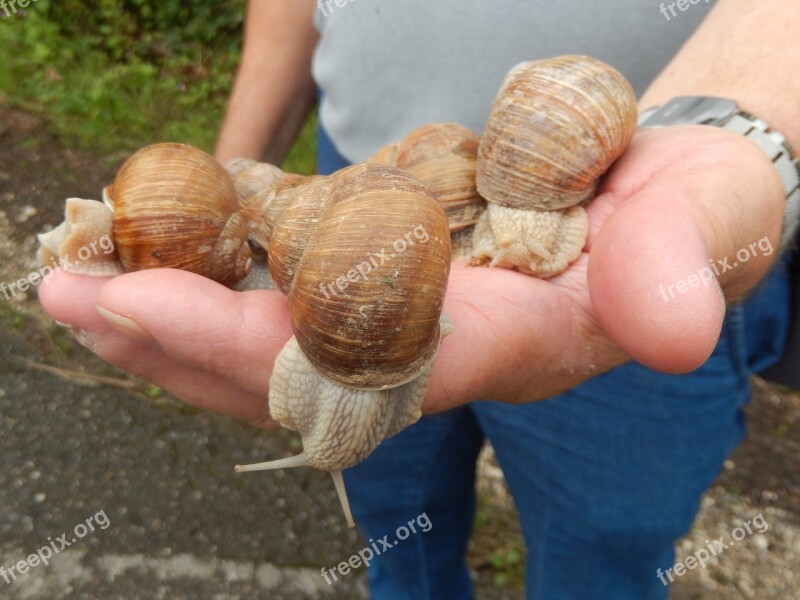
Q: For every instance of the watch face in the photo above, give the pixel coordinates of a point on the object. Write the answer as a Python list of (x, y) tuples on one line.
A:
[(692, 110)]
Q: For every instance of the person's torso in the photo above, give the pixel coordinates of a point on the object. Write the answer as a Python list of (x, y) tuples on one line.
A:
[(385, 67)]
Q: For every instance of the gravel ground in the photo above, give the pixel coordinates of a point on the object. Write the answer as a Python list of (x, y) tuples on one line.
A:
[(180, 524)]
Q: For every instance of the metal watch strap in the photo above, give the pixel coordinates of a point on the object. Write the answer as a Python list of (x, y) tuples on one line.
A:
[(724, 113)]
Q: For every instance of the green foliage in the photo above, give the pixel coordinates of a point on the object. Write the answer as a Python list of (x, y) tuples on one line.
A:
[(115, 75), (150, 30), (497, 546), (62, 340), (508, 566), (10, 316), (302, 157)]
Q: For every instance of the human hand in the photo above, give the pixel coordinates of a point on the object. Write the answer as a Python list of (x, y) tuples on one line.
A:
[(678, 197)]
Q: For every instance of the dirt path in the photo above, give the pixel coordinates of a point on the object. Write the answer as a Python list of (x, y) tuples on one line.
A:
[(181, 524)]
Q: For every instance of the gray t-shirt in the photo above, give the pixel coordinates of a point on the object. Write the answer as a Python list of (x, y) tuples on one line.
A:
[(387, 66)]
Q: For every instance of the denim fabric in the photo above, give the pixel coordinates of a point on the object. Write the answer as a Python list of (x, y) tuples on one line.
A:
[(605, 477)]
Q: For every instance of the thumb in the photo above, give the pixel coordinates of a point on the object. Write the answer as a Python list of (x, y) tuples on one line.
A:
[(652, 285), (202, 324)]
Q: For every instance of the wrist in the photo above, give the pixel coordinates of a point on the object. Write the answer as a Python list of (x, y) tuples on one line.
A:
[(725, 114)]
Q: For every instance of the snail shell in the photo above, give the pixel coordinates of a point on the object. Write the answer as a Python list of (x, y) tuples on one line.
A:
[(442, 156), (255, 184), (364, 257), (175, 206), (555, 128)]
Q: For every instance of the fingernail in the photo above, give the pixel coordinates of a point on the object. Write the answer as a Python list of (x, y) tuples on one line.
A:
[(126, 325), (84, 338)]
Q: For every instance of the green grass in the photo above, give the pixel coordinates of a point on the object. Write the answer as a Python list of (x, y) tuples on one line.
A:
[(497, 546), (11, 317), (112, 88)]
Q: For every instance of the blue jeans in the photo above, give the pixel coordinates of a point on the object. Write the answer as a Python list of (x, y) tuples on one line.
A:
[(605, 477)]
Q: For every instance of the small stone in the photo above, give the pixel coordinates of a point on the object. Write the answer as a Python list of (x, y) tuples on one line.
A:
[(25, 213), (760, 541), (39, 498)]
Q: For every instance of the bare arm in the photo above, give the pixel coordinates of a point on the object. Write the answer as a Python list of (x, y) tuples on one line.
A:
[(273, 90), (745, 50)]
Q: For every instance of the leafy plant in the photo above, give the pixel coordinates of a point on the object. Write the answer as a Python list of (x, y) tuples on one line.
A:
[(115, 75)]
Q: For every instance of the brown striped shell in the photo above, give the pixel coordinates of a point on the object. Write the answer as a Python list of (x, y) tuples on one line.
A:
[(175, 206), (363, 256), (442, 156), (256, 184), (555, 127)]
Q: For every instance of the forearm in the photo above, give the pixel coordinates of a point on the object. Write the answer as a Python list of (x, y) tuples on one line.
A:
[(273, 89), (746, 51)]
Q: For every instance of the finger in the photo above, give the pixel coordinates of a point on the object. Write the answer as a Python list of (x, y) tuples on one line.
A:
[(651, 284), (72, 299), (201, 324)]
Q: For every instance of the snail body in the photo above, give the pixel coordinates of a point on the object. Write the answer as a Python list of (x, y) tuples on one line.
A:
[(86, 222), (363, 256), (555, 128)]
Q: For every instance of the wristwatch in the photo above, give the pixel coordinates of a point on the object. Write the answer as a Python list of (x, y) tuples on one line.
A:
[(719, 112)]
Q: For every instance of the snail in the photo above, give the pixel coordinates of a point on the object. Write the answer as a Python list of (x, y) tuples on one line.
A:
[(443, 156), (170, 205), (555, 128), (255, 184), (364, 257)]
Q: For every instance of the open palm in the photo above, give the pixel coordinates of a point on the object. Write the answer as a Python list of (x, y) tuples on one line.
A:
[(676, 199)]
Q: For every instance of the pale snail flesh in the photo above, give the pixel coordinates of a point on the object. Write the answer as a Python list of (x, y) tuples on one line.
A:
[(555, 128), (170, 206), (366, 331)]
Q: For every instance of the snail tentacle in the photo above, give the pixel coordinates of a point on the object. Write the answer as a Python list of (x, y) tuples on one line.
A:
[(83, 242)]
